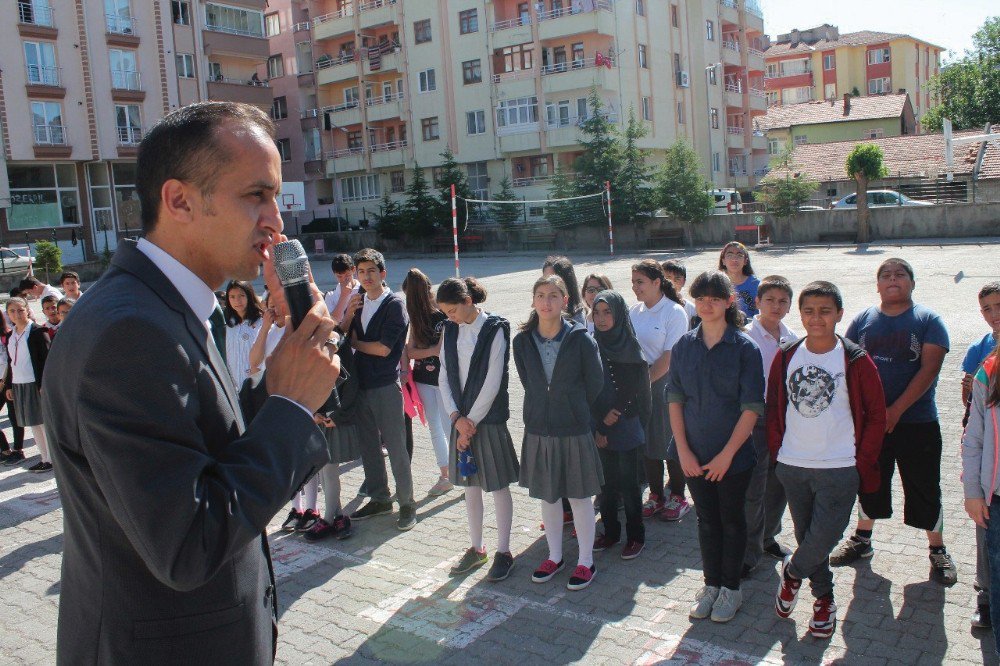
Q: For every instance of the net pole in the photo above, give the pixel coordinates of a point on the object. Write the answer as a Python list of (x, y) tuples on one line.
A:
[(454, 227), (611, 230)]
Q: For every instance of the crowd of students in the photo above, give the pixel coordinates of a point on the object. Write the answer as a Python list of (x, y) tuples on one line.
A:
[(712, 396)]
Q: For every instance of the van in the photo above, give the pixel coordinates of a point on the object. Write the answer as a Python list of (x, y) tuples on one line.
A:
[(726, 201)]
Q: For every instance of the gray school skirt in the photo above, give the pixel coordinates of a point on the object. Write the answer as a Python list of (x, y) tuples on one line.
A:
[(343, 443), (27, 404), (496, 460), (555, 467)]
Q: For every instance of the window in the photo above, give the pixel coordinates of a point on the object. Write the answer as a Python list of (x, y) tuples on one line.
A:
[(677, 63), (303, 57), (313, 145), (714, 115), (422, 31), (272, 25), (124, 73), (640, 7), (876, 133), (180, 10), (472, 72), (680, 112), (557, 115), (713, 76), (42, 195), (520, 111), (435, 174), (360, 188), (475, 122), (429, 128), (275, 67), (468, 21), (877, 56), (185, 65), (642, 56), (46, 117), (234, 20), (710, 31), (773, 146), (536, 211), (674, 16), (40, 59), (772, 97), (425, 81), (830, 91), (479, 180), (279, 108), (284, 149), (715, 161), (118, 15), (830, 61), (647, 109), (129, 124), (581, 109), (800, 139), (772, 71), (879, 86), (397, 181), (796, 95)]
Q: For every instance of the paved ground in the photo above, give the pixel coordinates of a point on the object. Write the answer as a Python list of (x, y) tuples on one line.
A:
[(385, 596)]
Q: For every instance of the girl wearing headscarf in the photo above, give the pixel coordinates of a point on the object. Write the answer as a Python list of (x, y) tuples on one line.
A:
[(620, 414)]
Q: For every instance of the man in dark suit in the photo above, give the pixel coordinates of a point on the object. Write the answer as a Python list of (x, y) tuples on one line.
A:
[(168, 479)]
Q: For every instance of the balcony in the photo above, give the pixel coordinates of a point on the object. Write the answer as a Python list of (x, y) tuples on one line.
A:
[(734, 94), (375, 13), (348, 113), (334, 24), (329, 70), (345, 159), (758, 100), (35, 20), (576, 74), (44, 82), (387, 58), (225, 89), (51, 141), (222, 40), (565, 132), (759, 141), (731, 53), (301, 26), (388, 154), (129, 136), (566, 22), (519, 138), (384, 107), (309, 119), (510, 32), (126, 86), (796, 76), (518, 83)]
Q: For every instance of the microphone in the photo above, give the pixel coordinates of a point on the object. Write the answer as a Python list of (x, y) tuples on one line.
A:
[(292, 266)]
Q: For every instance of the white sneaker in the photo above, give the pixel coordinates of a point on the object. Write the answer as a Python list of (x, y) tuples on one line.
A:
[(442, 486), (703, 603), (726, 605)]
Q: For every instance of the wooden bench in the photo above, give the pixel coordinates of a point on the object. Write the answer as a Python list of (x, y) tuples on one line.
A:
[(540, 238), (838, 237), (665, 238)]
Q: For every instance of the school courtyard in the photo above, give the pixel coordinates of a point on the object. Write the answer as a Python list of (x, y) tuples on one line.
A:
[(385, 596)]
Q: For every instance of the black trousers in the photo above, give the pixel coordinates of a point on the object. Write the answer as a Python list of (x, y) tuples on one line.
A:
[(722, 526), (18, 430), (620, 481)]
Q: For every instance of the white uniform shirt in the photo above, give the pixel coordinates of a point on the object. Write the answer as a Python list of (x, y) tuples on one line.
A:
[(768, 345), (468, 334), (369, 308), (239, 340), (658, 328), (20, 357)]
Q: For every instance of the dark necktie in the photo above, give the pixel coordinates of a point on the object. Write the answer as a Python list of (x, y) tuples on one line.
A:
[(218, 321)]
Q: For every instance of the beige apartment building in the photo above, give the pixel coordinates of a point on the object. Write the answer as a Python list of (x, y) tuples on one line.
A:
[(383, 85), (81, 79)]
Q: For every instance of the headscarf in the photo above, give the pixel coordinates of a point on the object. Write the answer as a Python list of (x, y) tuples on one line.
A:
[(619, 345)]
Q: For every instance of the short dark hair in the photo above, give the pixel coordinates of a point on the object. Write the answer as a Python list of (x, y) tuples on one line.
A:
[(898, 262), (342, 263), (66, 301), (371, 256), (822, 288), (989, 289), (774, 282), (184, 145), (30, 283), (69, 275), (51, 298), (716, 284), (676, 267), (15, 292)]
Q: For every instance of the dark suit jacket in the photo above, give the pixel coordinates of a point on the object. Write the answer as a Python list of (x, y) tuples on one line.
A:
[(165, 492)]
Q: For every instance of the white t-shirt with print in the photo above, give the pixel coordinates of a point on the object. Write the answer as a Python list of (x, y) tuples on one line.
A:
[(819, 429)]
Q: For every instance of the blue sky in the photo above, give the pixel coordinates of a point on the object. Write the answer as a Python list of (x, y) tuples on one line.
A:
[(949, 24)]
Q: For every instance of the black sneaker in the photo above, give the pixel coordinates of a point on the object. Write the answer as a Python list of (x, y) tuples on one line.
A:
[(46, 467), (340, 528), (308, 519), (502, 565), (471, 559), (851, 551), (407, 518), (581, 578), (291, 521), (981, 618), (943, 568), (777, 551), (15, 458), (372, 508), (39, 467)]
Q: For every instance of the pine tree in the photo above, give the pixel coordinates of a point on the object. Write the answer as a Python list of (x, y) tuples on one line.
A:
[(506, 215), (451, 173), (632, 199), (602, 154), (421, 207), (562, 213), (681, 190), (391, 223)]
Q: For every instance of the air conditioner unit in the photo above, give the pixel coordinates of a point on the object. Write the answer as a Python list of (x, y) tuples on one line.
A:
[(683, 80)]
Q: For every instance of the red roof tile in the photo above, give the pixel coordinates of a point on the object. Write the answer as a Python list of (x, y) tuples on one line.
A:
[(823, 111), (859, 38)]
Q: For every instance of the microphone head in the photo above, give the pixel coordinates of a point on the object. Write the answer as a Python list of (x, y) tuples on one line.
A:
[(290, 262)]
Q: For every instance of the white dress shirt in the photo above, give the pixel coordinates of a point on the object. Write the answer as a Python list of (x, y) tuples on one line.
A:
[(768, 345), (22, 371), (658, 328), (468, 335), (369, 307)]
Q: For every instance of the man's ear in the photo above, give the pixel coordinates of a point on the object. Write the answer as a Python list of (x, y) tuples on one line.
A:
[(176, 200)]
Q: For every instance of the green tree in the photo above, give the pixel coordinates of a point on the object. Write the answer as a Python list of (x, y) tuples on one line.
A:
[(865, 163), (602, 151), (561, 213), (968, 89), (681, 190), (506, 215), (391, 219), (632, 200), (421, 207), (784, 195), (451, 173), (48, 257)]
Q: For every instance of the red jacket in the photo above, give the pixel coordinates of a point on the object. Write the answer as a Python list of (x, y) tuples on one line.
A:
[(864, 392)]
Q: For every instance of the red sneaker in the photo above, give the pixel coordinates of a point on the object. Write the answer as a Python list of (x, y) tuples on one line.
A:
[(652, 506), (824, 619), (632, 550), (788, 591), (603, 543), (546, 570), (581, 578)]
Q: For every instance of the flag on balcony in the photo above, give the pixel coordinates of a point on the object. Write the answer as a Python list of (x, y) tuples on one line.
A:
[(375, 58), (601, 60)]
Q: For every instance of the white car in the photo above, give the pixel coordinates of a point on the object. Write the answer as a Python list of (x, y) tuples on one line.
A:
[(12, 262), (879, 198)]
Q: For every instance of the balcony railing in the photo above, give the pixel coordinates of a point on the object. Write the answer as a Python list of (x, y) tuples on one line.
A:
[(348, 10), (734, 87), (345, 152), (129, 136), (731, 44), (754, 51), (346, 106), (520, 128), (35, 14), (790, 71), (120, 25), (310, 113), (392, 145), (507, 24), (754, 8), (514, 75), (302, 25), (599, 5), (734, 129), (576, 121), (328, 61), (50, 135), (43, 76), (571, 65), (375, 4), (758, 92), (229, 30), (383, 99), (239, 82), (125, 80), (728, 3)]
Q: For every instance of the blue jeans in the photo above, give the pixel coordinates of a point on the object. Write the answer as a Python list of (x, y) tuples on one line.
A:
[(993, 554), (438, 422)]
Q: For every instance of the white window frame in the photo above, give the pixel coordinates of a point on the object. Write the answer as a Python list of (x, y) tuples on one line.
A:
[(275, 66), (283, 144), (129, 132), (126, 75), (829, 61), (710, 30), (516, 112), (45, 70), (50, 135), (234, 20), (640, 7), (879, 55), (279, 111), (879, 85), (183, 12), (800, 139), (829, 90), (272, 24), (773, 146), (426, 81), (475, 122), (365, 187), (185, 65), (647, 108)]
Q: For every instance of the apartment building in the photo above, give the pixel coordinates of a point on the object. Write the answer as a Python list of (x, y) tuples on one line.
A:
[(504, 84), (80, 82), (820, 63)]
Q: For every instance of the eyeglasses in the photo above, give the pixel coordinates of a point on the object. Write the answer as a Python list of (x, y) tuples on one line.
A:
[(733, 255), (592, 290)]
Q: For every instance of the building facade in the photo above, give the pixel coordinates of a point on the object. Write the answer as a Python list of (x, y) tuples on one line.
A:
[(504, 85), (82, 79), (821, 63)]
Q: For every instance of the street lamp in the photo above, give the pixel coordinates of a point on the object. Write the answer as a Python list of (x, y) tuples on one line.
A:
[(708, 109)]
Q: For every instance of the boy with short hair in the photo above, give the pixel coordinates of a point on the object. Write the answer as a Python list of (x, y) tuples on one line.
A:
[(676, 272), (69, 282), (826, 417), (908, 343), (50, 308), (377, 329), (765, 503), (338, 298), (989, 306)]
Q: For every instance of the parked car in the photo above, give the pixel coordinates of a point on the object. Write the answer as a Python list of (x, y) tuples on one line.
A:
[(12, 262), (810, 207), (726, 201), (879, 198)]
